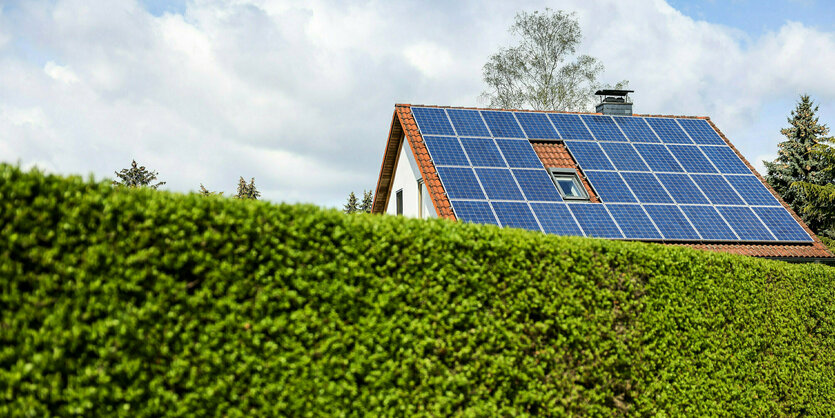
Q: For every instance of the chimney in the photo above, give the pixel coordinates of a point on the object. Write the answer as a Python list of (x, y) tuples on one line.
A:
[(614, 102)]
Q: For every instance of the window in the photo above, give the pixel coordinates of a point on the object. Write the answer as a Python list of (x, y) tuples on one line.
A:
[(420, 199), (399, 200), (568, 184)]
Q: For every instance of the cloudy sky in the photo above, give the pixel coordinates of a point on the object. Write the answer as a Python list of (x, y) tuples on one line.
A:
[(300, 94)]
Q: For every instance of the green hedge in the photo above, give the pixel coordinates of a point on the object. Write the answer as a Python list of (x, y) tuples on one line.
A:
[(135, 302)]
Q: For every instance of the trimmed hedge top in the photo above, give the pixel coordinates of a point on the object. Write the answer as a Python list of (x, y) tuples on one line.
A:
[(136, 302)]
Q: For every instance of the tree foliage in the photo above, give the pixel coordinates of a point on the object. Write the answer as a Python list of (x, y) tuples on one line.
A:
[(206, 192), (542, 71), (137, 176), (803, 172), (354, 205), (247, 191)]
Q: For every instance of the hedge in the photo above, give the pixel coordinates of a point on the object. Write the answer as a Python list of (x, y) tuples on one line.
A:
[(136, 302)]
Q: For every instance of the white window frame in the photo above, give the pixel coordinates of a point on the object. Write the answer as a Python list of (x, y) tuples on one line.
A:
[(420, 198)]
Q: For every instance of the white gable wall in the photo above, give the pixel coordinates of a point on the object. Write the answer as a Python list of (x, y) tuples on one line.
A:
[(416, 203)]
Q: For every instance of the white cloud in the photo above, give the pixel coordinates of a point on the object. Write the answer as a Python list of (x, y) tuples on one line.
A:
[(59, 73)]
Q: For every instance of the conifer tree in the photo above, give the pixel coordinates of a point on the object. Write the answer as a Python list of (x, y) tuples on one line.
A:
[(367, 201), (797, 160), (351, 206), (136, 177), (818, 209), (247, 191)]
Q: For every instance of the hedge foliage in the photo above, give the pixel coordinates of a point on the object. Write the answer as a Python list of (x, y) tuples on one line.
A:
[(138, 302)]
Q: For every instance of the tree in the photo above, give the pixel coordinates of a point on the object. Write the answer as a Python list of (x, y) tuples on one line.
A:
[(247, 191), (367, 201), (537, 73), (818, 209), (351, 206), (136, 177), (206, 192), (803, 163)]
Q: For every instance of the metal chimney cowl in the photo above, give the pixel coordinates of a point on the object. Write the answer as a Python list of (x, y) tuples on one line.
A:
[(614, 102)]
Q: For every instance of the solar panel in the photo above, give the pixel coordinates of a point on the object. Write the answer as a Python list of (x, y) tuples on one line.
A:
[(595, 220), (646, 188), (556, 219), (636, 129), (609, 186), (717, 190), (519, 154), (681, 188), (633, 221), (445, 150), (537, 185), (467, 122), (475, 211), (708, 222), (691, 159), (658, 157), (502, 124), (745, 223), (700, 131), (671, 222), (624, 156), (603, 128), (515, 215), (752, 191), (589, 155), (460, 183), (669, 131), (570, 126), (483, 152), (432, 121), (783, 225), (499, 184), (726, 160), (537, 125)]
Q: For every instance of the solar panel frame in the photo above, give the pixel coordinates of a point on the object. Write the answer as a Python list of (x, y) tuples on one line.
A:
[(610, 187), (537, 125), (782, 224), (460, 183), (503, 124), (475, 211), (589, 155), (668, 131), (499, 184), (537, 185), (709, 223), (519, 154), (555, 218), (603, 128), (515, 215), (467, 122), (446, 150), (633, 221), (753, 192), (682, 188), (745, 223), (646, 187), (658, 158), (717, 189), (624, 156), (691, 158), (570, 126), (700, 131), (725, 160), (671, 222), (595, 220), (432, 121), (636, 129), (482, 152)]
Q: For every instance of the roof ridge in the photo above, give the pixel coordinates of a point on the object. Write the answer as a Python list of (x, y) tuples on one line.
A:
[(647, 115)]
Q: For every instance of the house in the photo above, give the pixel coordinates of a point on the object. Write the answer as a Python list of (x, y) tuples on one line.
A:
[(676, 180)]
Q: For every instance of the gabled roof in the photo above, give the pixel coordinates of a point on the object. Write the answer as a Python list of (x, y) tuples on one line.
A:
[(555, 153)]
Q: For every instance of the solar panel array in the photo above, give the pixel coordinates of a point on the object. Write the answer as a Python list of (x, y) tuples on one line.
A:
[(671, 179)]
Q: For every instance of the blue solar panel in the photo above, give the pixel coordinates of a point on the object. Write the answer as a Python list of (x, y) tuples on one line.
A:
[(460, 183), (570, 126), (646, 188), (537, 185), (669, 131), (589, 155), (633, 221), (636, 129), (556, 219), (603, 128), (609, 186), (717, 189), (473, 211), (595, 220), (726, 160), (515, 215), (658, 158), (624, 156), (445, 150), (681, 188), (502, 124), (750, 188), (537, 125), (691, 159), (700, 131), (499, 184), (519, 154), (432, 121), (784, 227), (467, 122), (708, 222), (745, 223), (483, 152), (671, 222)]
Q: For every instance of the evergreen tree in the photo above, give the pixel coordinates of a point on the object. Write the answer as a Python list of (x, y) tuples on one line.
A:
[(818, 209), (351, 206), (247, 191), (136, 177), (367, 201), (797, 160)]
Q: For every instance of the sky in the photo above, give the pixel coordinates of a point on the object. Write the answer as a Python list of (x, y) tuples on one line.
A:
[(300, 94)]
